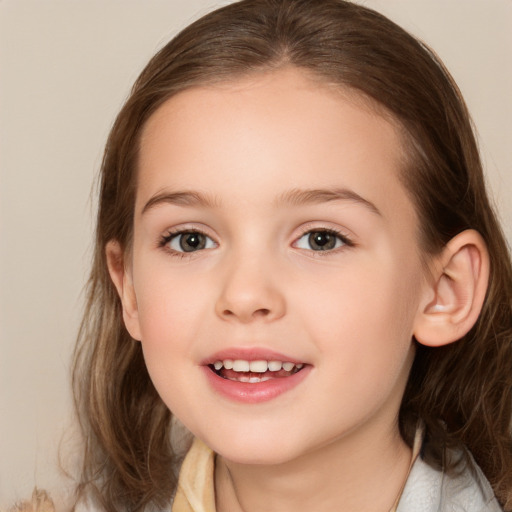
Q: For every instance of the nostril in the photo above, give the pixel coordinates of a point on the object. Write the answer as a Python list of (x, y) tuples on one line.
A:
[(261, 312)]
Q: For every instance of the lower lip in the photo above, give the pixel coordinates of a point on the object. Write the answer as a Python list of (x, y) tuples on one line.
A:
[(252, 393)]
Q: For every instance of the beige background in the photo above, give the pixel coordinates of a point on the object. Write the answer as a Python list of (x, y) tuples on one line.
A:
[(66, 67)]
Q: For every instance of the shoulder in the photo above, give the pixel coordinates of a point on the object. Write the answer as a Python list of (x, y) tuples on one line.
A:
[(465, 489)]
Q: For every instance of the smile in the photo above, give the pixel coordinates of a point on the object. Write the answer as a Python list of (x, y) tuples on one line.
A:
[(253, 372), (254, 379)]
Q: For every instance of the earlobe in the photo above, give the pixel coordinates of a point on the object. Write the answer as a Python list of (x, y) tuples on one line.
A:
[(456, 293), (121, 277)]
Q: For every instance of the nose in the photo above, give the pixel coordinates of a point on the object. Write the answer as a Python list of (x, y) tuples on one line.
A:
[(250, 292)]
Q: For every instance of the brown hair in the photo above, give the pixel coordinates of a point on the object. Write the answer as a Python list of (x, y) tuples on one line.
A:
[(462, 392)]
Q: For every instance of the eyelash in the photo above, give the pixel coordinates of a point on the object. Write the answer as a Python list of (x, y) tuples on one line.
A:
[(171, 235), (345, 240)]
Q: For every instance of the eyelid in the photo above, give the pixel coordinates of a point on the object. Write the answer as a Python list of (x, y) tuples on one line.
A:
[(175, 242), (171, 233), (311, 227)]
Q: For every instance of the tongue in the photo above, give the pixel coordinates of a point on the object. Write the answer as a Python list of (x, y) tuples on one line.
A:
[(231, 374)]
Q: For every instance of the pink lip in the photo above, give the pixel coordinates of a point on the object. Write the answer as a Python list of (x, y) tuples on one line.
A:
[(252, 393), (248, 393)]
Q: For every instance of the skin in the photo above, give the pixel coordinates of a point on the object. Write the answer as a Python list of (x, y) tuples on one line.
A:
[(349, 313)]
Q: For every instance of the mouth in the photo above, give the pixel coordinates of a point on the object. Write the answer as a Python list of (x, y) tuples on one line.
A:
[(253, 376), (254, 371)]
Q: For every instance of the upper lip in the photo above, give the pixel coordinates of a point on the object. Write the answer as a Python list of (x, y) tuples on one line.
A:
[(250, 354)]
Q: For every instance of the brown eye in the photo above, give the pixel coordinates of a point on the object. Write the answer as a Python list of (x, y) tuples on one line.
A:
[(190, 241), (320, 240)]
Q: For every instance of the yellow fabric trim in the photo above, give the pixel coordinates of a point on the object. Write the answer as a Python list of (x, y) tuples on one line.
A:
[(196, 488)]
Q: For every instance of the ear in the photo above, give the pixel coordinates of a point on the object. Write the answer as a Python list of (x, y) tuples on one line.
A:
[(455, 295), (120, 273)]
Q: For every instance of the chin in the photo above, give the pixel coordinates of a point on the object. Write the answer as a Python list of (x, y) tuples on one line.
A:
[(255, 458), (259, 448)]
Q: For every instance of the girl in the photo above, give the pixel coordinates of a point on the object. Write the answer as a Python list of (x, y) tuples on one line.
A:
[(296, 259)]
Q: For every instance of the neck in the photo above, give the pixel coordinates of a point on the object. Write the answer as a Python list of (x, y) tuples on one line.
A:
[(359, 472)]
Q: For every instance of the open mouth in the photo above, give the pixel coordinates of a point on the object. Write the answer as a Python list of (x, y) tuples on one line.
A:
[(240, 370)]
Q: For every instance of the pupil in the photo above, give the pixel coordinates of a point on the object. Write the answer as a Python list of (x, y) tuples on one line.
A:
[(192, 242), (322, 241)]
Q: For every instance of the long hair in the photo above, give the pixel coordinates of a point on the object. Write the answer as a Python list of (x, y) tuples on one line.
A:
[(462, 392)]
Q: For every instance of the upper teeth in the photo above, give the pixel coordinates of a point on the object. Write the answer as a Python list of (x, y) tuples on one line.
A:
[(259, 366)]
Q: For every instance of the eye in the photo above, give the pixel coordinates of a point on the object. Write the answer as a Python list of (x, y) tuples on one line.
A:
[(321, 240), (189, 241)]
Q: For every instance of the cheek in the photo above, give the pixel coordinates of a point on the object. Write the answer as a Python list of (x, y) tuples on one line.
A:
[(364, 332), (169, 310), (174, 309), (168, 298), (364, 316)]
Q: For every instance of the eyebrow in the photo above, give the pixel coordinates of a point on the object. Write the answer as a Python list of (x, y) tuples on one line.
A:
[(294, 197), (181, 198), (298, 197)]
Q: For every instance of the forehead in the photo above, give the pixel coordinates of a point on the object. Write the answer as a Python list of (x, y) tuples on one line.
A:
[(268, 89), (281, 129)]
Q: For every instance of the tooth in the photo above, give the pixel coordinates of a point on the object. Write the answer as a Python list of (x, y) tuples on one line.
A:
[(299, 366), (274, 366), (258, 366), (217, 365), (288, 366), (228, 364), (255, 380), (240, 366)]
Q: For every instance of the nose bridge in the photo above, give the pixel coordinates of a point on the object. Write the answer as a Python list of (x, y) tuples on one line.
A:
[(250, 287)]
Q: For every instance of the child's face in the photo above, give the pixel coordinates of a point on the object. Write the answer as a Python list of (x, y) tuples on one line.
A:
[(299, 245)]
